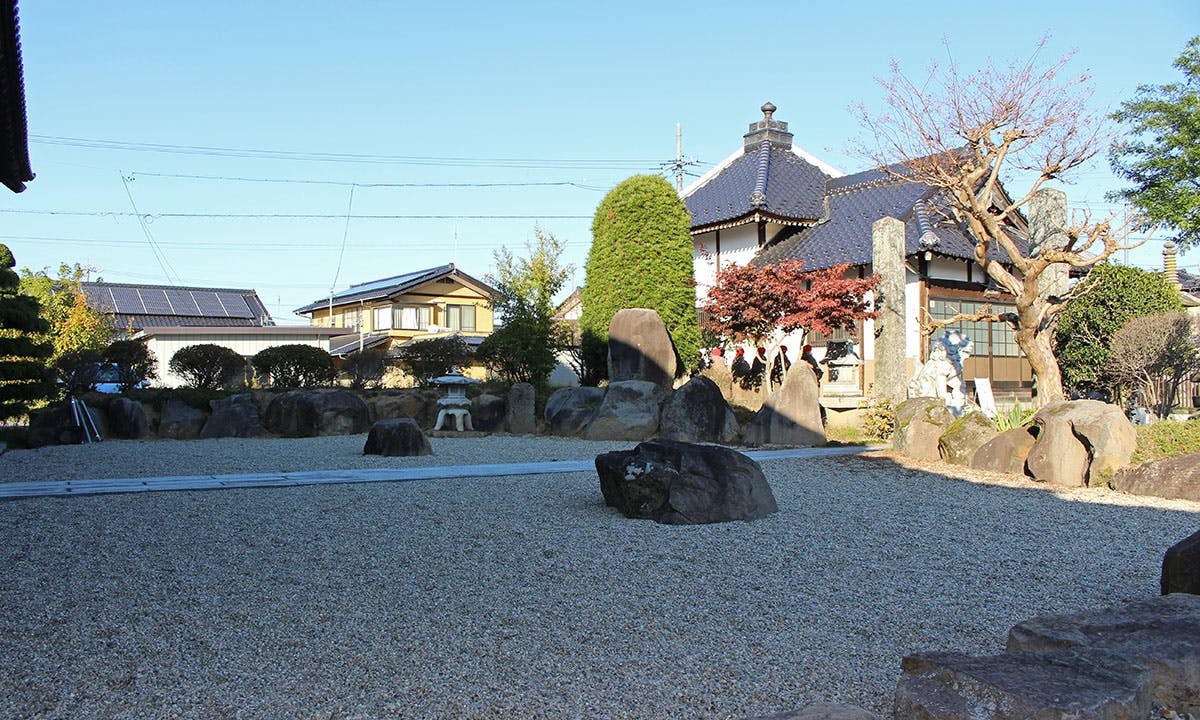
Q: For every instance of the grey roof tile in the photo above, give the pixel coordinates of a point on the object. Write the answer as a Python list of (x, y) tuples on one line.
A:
[(769, 178)]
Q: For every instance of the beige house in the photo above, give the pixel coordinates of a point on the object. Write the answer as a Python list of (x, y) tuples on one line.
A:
[(386, 313)]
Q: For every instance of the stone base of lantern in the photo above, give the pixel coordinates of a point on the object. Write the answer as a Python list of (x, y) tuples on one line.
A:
[(462, 418)]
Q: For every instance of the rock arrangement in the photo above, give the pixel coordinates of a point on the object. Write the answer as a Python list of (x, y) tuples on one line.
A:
[(1108, 663), (679, 483), (1080, 443)]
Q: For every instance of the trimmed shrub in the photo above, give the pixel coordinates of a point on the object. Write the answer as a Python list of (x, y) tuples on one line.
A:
[(880, 421), (1166, 439), (293, 366), (641, 257), (430, 358), (207, 366), (134, 362), (365, 369)]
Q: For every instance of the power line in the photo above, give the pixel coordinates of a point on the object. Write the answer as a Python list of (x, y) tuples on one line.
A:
[(343, 183), (159, 255), (212, 151), (285, 216)]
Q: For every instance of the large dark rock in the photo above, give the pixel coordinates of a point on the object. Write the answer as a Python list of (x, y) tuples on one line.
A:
[(684, 484), (1005, 452), (640, 348), (126, 419), (56, 425), (718, 372), (1080, 442), (1181, 567), (791, 415), (697, 412), (1162, 634), (309, 413), (180, 421), (1177, 478), (487, 412), (397, 437), (629, 411), (920, 422), (1065, 685), (234, 416), (570, 410), (520, 417), (963, 437)]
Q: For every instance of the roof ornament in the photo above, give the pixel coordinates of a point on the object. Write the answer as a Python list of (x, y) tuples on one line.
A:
[(768, 109), (769, 129)]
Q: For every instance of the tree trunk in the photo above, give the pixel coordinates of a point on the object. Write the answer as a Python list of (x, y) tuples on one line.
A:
[(1046, 374)]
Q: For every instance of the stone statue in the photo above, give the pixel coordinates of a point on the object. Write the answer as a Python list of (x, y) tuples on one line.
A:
[(941, 375)]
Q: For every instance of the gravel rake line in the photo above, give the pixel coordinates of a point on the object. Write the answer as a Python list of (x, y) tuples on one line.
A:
[(12, 491)]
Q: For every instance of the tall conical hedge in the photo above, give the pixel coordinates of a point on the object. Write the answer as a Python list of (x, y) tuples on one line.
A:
[(25, 376), (641, 257)]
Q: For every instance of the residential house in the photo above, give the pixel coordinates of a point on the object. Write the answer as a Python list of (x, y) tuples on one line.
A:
[(406, 308), (771, 201), (169, 318)]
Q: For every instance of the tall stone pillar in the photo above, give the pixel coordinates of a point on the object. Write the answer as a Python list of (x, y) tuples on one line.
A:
[(891, 369), (1047, 219)]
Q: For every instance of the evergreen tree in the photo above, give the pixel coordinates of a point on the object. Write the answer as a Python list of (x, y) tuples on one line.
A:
[(25, 375), (641, 257), (1109, 297)]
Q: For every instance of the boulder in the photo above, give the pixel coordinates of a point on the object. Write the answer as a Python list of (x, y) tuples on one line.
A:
[(387, 407), (1080, 442), (56, 425), (487, 412), (629, 411), (963, 437), (791, 415), (1181, 567), (919, 424), (684, 484), (126, 419), (569, 410), (640, 348), (1161, 634), (309, 413), (234, 416), (520, 417), (697, 412), (1064, 685), (180, 421), (1177, 478), (396, 437), (718, 372), (1005, 452), (823, 711)]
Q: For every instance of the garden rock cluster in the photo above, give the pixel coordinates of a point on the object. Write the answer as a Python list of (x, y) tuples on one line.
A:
[(1080, 443), (1106, 663)]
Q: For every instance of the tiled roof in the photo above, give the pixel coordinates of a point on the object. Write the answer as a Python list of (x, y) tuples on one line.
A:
[(391, 286), (1190, 282), (139, 306), (14, 129), (855, 202), (768, 179)]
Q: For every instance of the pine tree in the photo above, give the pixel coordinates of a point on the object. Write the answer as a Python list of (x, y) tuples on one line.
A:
[(25, 375)]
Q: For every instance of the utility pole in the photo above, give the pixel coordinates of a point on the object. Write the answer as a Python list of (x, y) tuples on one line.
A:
[(680, 161)]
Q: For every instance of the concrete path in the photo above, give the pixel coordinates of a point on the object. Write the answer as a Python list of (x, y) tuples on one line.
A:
[(326, 477)]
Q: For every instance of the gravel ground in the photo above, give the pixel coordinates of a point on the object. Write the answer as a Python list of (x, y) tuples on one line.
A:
[(525, 597)]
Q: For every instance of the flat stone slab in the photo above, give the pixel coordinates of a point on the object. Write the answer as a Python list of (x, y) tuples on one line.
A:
[(1064, 685), (1162, 633)]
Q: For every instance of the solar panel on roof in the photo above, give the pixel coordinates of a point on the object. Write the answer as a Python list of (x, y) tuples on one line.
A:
[(126, 300), (100, 298), (155, 301), (208, 304), (182, 302), (235, 305)]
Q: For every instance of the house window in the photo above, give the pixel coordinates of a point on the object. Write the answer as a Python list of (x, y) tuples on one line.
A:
[(411, 317), (997, 339), (460, 317), (381, 318), (351, 318)]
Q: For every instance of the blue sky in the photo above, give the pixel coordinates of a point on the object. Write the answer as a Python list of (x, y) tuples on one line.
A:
[(398, 109)]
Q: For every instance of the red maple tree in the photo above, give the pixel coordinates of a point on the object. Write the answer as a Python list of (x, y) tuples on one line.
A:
[(752, 302)]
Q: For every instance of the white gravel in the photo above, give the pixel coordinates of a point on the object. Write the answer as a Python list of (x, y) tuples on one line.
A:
[(525, 597)]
